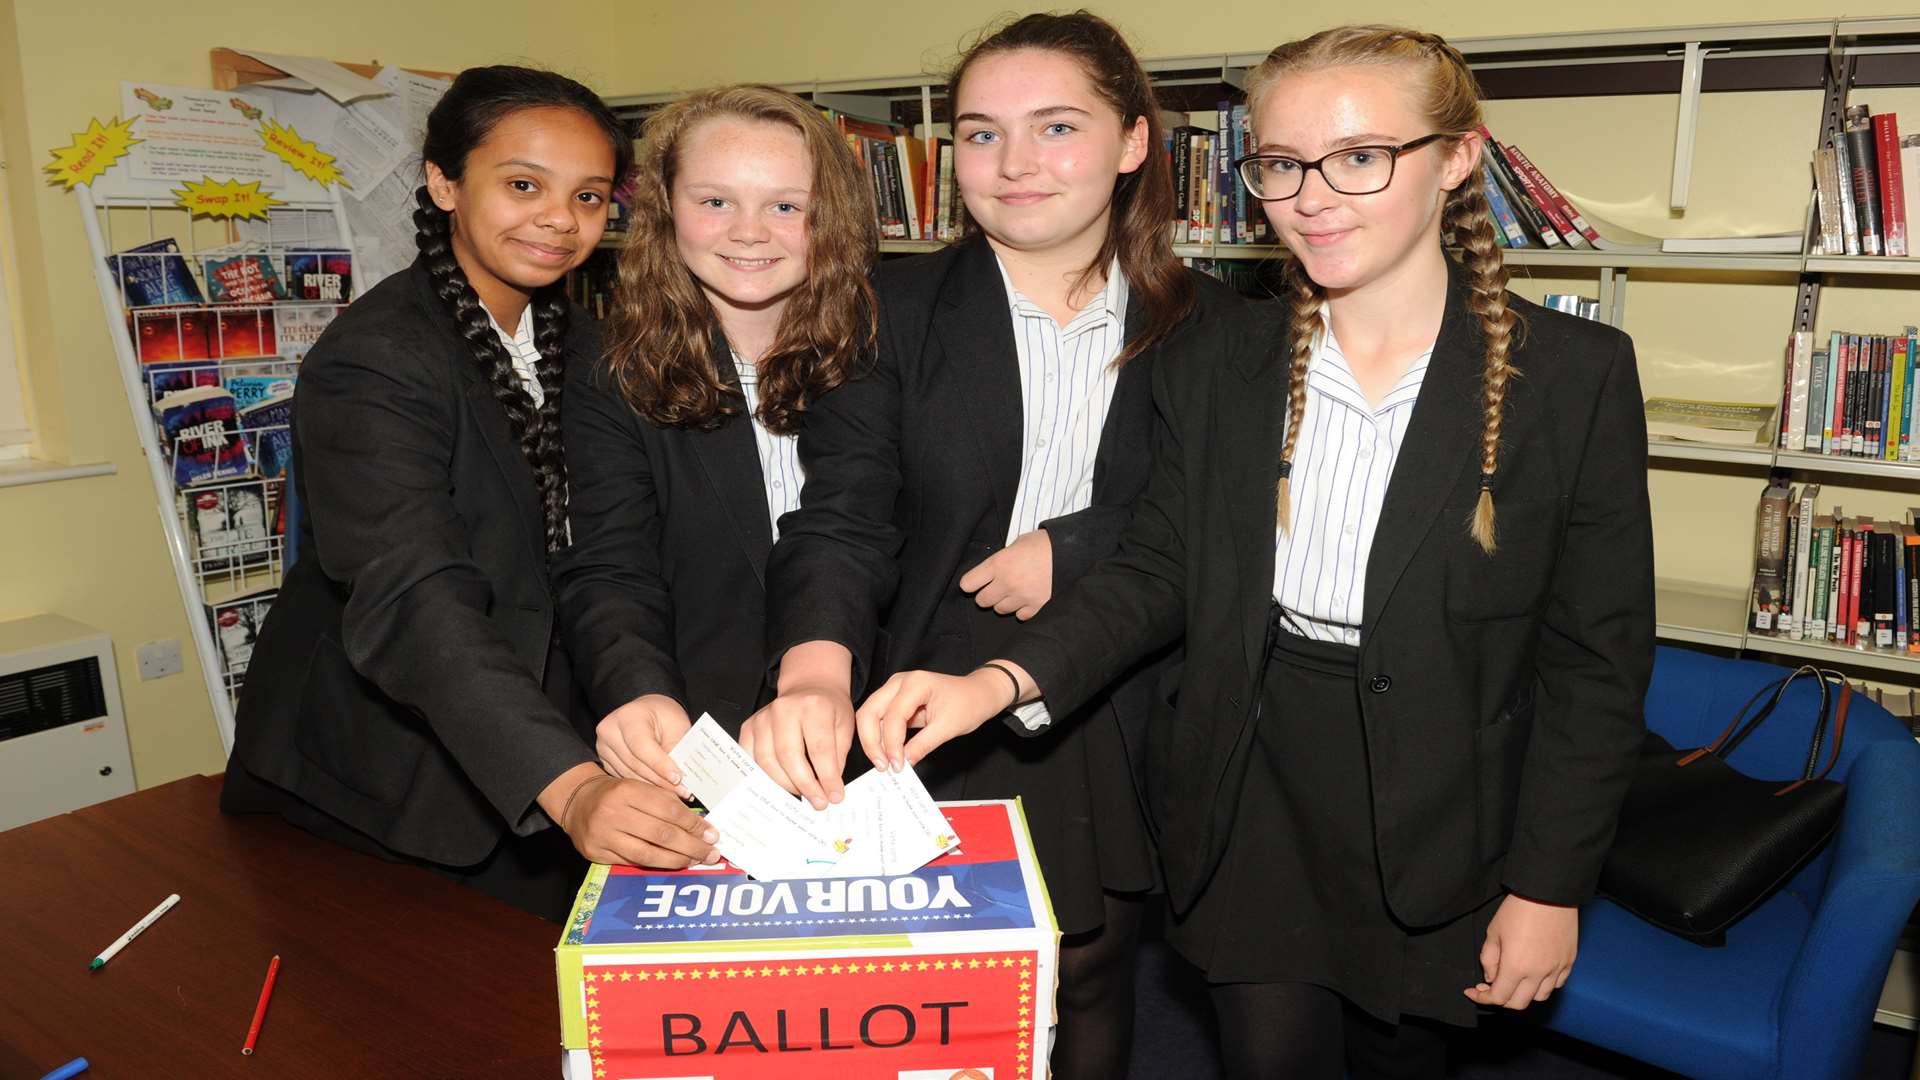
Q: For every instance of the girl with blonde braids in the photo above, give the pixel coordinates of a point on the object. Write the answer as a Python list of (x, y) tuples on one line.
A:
[(1402, 522)]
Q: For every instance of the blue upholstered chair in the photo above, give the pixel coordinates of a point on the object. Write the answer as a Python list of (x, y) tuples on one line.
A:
[(1792, 993)]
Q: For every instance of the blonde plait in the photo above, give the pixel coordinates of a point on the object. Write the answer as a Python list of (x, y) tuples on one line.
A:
[(1304, 328), (1470, 219)]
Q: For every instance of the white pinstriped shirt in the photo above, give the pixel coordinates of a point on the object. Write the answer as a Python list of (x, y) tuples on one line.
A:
[(1067, 377), (1341, 465), (779, 454), (523, 352)]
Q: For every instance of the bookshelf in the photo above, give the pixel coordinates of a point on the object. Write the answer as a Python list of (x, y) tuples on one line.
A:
[(1792, 65)]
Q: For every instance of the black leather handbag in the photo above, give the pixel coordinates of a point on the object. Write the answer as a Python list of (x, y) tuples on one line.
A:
[(1700, 844)]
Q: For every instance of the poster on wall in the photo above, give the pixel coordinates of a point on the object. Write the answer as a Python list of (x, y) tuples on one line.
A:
[(189, 133)]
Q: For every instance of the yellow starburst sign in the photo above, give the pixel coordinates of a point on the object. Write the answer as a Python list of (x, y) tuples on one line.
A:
[(303, 156), (92, 152), (225, 198)]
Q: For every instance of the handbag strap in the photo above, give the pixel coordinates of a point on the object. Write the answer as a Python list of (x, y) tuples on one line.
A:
[(1780, 690), (1773, 687), (1839, 736)]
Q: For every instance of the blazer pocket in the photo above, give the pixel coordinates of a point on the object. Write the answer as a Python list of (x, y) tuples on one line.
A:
[(1512, 582), (354, 733), (1500, 752)]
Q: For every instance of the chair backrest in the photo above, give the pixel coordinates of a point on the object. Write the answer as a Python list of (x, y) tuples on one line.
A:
[(1695, 695)]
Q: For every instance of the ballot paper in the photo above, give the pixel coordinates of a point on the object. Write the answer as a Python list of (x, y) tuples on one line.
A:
[(886, 825)]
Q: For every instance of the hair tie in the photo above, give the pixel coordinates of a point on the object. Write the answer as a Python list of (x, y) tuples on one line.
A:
[(1286, 468), (1486, 481)]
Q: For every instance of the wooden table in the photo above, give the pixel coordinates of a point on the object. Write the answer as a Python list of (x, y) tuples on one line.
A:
[(386, 970)]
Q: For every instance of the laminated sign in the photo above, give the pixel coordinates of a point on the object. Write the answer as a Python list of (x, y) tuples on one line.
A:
[(944, 973)]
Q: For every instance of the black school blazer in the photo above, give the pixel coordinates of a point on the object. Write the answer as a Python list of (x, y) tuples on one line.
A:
[(1502, 696), (912, 471), (397, 684), (663, 590)]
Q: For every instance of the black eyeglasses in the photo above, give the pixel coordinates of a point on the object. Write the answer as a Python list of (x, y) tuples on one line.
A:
[(1354, 170)]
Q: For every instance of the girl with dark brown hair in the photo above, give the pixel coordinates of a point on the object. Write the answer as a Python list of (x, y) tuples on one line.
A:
[(1402, 522), (742, 298), (987, 462)]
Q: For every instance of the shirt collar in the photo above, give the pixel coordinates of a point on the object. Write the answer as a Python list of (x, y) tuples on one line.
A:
[(522, 334), (1109, 306), (1330, 364)]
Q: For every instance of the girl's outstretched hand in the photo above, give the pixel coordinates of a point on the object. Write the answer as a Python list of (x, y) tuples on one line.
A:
[(941, 707)]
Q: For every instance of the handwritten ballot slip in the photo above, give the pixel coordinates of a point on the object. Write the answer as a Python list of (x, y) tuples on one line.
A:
[(708, 972)]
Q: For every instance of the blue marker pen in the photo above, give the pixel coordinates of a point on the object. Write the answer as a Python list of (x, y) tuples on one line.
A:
[(71, 1068)]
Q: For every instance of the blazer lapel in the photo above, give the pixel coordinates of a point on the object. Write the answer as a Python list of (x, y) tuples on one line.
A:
[(731, 460), (1252, 429), (975, 328), (1134, 382), (1441, 440)]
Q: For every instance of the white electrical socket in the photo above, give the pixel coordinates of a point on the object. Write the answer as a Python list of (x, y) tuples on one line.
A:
[(159, 659)]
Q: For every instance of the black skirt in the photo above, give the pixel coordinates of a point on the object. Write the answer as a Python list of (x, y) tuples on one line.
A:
[(1075, 783), (1298, 896)]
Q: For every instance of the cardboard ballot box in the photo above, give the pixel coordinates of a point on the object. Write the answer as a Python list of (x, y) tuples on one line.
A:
[(944, 973)]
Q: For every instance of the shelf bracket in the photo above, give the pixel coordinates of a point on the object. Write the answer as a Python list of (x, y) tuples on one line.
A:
[(1692, 64)]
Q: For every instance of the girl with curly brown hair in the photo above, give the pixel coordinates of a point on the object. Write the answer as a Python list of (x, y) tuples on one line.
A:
[(742, 298)]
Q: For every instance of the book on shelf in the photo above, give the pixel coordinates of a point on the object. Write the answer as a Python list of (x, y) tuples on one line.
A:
[(247, 278), (1783, 243), (1864, 181), (1842, 580), (1859, 395), (1726, 423), (1863, 164), (1210, 204), (1770, 555)]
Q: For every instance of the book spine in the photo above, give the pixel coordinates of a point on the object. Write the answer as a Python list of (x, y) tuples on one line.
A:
[(1769, 573), (1859, 608), (1884, 582), (1913, 368), (1799, 376), (1826, 201), (1836, 608), (1897, 556), (1909, 174), (1849, 217), (1893, 200), (1829, 437), (1864, 174), (1580, 233), (1897, 399), (1503, 214), (1535, 221), (1223, 171), (1197, 193), (1883, 390), (1817, 403), (1817, 581), (1789, 621), (1802, 554), (1911, 543), (1243, 208), (1538, 194)]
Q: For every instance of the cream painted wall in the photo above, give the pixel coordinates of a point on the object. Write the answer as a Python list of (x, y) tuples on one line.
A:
[(91, 549)]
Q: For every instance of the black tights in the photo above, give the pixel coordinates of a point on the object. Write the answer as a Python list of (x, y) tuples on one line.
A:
[(1094, 1038), (1300, 1031)]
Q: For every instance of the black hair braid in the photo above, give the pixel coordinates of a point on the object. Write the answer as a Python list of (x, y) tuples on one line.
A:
[(550, 336), (433, 233)]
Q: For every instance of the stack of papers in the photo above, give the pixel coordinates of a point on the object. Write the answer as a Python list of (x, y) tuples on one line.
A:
[(886, 825)]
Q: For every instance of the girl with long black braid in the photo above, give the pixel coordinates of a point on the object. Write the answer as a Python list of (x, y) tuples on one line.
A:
[(408, 696)]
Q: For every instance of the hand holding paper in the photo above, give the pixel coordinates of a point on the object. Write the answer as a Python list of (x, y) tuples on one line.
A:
[(886, 825)]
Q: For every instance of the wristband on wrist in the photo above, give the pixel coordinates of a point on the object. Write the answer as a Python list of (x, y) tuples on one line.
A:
[(1011, 677)]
